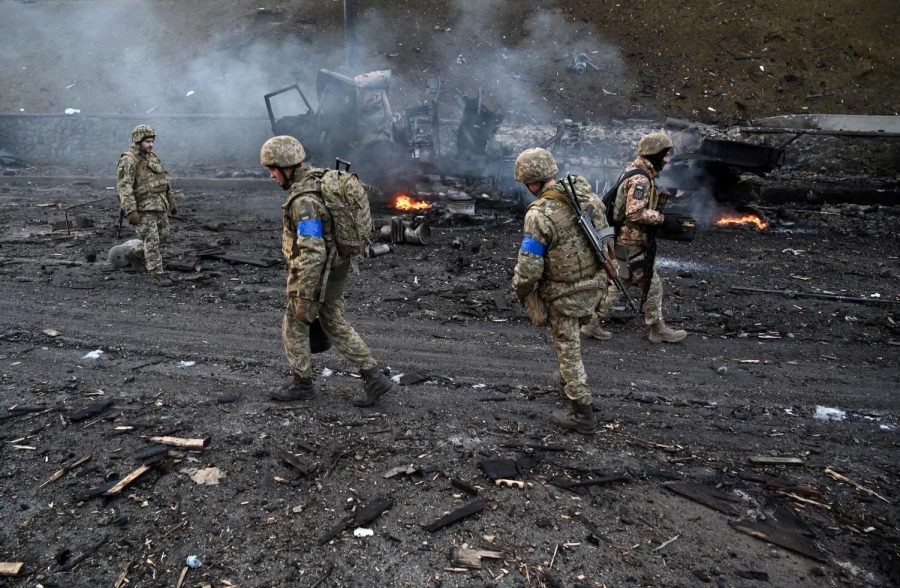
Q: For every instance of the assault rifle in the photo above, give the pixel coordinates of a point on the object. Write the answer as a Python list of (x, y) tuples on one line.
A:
[(597, 240)]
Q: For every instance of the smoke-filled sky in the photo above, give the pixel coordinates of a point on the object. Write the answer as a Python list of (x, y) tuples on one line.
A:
[(165, 57)]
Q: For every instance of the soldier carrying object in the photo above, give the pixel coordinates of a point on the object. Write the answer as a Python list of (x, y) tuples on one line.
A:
[(146, 198), (641, 205), (317, 269), (557, 262)]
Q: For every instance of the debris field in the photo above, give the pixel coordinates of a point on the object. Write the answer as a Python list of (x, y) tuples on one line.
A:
[(140, 448)]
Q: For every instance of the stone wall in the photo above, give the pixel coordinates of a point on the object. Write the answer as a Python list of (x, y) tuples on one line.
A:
[(183, 141)]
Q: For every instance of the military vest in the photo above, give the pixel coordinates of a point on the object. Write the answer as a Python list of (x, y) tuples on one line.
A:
[(571, 258), (149, 177)]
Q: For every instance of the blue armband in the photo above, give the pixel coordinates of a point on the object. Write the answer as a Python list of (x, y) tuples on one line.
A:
[(533, 246), (310, 228)]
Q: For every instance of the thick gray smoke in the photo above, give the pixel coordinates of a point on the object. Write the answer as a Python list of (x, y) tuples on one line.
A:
[(142, 57)]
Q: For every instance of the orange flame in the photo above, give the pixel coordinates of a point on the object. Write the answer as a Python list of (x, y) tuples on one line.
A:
[(407, 203), (746, 219)]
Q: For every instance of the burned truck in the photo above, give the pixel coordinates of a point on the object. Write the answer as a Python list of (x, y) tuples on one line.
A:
[(353, 122), (390, 150)]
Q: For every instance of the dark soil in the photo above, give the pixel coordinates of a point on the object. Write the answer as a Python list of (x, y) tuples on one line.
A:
[(746, 383)]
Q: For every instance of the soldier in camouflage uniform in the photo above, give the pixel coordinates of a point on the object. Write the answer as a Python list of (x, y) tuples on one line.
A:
[(316, 276), (146, 199), (638, 233), (556, 258)]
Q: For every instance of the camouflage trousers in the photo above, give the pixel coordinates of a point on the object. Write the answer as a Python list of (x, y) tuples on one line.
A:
[(566, 335), (344, 337), (653, 304), (153, 230)]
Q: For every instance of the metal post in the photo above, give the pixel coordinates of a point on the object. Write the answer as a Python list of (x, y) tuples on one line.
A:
[(350, 34)]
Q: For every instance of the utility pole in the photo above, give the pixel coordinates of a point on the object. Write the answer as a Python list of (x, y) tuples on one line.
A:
[(350, 36)]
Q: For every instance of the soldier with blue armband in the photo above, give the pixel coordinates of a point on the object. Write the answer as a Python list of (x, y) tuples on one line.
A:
[(557, 263), (317, 267)]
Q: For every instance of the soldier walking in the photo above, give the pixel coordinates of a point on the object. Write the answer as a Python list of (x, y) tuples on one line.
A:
[(146, 199), (317, 273), (636, 241), (557, 261)]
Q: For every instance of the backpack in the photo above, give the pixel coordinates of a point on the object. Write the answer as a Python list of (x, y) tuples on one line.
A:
[(347, 201), (615, 206)]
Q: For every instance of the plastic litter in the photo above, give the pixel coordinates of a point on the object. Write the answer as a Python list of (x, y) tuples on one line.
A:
[(193, 561), (825, 413)]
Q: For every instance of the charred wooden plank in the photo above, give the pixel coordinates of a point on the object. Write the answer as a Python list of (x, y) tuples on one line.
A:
[(90, 410), (705, 495), (457, 515), (371, 510)]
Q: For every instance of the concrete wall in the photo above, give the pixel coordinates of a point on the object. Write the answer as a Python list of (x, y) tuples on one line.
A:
[(96, 141)]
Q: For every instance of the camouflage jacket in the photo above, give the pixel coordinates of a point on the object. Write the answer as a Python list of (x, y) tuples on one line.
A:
[(641, 205), (555, 255), (307, 241), (142, 183)]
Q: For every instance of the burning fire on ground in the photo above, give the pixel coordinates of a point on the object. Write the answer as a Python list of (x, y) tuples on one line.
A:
[(731, 220), (406, 203)]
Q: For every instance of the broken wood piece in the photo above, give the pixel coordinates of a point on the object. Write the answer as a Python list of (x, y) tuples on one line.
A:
[(10, 568), (803, 500), (69, 561), (705, 495), (181, 577), (774, 532), (181, 442), (471, 558), (151, 454), (66, 468), (457, 515), (334, 531), (124, 482), (460, 485), (512, 484), (773, 460), (499, 468), (371, 510), (90, 410), (842, 478), (667, 542), (304, 468), (123, 577)]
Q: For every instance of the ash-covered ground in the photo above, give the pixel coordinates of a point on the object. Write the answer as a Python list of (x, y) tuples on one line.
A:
[(811, 381)]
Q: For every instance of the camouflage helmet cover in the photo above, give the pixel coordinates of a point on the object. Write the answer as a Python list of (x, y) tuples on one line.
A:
[(141, 132), (535, 165), (281, 151), (653, 143)]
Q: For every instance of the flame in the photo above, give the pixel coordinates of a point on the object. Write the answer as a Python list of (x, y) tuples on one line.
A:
[(407, 203), (745, 219)]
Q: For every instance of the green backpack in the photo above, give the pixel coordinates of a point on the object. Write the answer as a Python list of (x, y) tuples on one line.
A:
[(347, 201)]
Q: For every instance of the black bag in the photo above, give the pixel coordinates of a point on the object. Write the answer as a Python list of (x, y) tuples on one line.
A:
[(609, 199)]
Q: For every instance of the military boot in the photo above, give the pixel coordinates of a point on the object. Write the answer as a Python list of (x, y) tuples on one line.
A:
[(580, 419), (376, 385), (595, 331), (160, 279), (660, 333), (298, 388)]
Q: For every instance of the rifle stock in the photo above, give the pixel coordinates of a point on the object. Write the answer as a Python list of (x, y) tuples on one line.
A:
[(596, 241)]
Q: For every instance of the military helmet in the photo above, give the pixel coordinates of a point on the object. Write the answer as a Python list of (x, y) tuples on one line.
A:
[(281, 151), (535, 165), (653, 143), (141, 132)]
